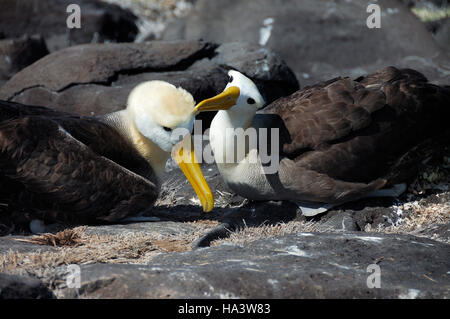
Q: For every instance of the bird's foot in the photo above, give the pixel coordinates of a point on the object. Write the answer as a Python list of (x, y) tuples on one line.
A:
[(313, 209), (219, 232), (235, 219), (251, 214)]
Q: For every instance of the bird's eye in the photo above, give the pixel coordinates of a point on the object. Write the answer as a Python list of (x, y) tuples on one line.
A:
[(230, 78), (250, 101), (167, 129)]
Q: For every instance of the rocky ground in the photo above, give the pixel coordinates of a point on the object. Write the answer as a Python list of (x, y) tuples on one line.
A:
[(323, 39), (274, 253), (265, 250)]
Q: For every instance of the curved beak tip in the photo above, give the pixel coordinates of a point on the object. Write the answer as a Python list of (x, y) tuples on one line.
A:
[(184, 155), (208, 205)]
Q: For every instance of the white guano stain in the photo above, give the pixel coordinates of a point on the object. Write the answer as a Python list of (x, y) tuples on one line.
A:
[(194, 200), (266, 31), (306, 234), (411, 294), (273, 282), (253, 269), (340, 266), (294, 250), (423, 244), (377, 240)]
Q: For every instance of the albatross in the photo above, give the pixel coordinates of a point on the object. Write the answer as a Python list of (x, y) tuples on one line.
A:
[(338, 141), (62, 167)]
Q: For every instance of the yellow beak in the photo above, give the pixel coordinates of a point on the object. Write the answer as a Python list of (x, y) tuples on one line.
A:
[(222, 101), (183, 153)]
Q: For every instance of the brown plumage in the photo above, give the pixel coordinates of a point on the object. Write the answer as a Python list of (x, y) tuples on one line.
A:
[(356, 131), (340, 140), (61, 167)]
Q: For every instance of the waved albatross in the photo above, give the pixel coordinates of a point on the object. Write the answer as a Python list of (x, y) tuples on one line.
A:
[(61, 167), (339, 140)]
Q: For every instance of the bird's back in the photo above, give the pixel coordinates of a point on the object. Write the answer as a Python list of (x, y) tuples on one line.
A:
[(64, 167), (356, 130)]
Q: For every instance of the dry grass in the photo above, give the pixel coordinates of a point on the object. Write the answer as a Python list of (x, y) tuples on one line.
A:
[(167, 197), (417, 217), (422, 216), (251, 234), (432, 177), (76, 246), (67, 237)]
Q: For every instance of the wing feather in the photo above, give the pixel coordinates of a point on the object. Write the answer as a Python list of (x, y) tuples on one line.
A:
[(354, 130), (65, 180)]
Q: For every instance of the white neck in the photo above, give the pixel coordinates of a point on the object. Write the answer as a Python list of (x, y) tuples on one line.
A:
[(222, 126), (157, 157)]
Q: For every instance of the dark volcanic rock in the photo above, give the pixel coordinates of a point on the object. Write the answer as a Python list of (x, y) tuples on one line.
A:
[(99, 22), (97, 78), (162, 228), (17, 287), (15, 54), (260, 64), (320, 39), (17, 244), (302, 265), (441, 32)]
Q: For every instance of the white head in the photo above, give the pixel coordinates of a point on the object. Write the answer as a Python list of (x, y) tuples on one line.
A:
[(249, 97), (161, 116), (240, 98), (161, 112)]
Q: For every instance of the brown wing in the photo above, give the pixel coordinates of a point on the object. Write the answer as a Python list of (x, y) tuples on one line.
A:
[(51, 175), (106, 141), (12, 110), (354, 130), (324, 113), (91, 131)]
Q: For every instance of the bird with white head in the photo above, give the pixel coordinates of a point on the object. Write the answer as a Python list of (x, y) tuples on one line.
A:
[(339, 141)]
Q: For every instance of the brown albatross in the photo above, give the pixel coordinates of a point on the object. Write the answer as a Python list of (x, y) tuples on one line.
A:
[(339, 140), (61, 167)]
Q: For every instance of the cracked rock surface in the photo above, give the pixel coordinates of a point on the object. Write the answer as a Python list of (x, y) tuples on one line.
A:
[(18, 287), (272, 253), (18, 53), (100, 22), (301, 265), (320, 40), (96, 79)]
